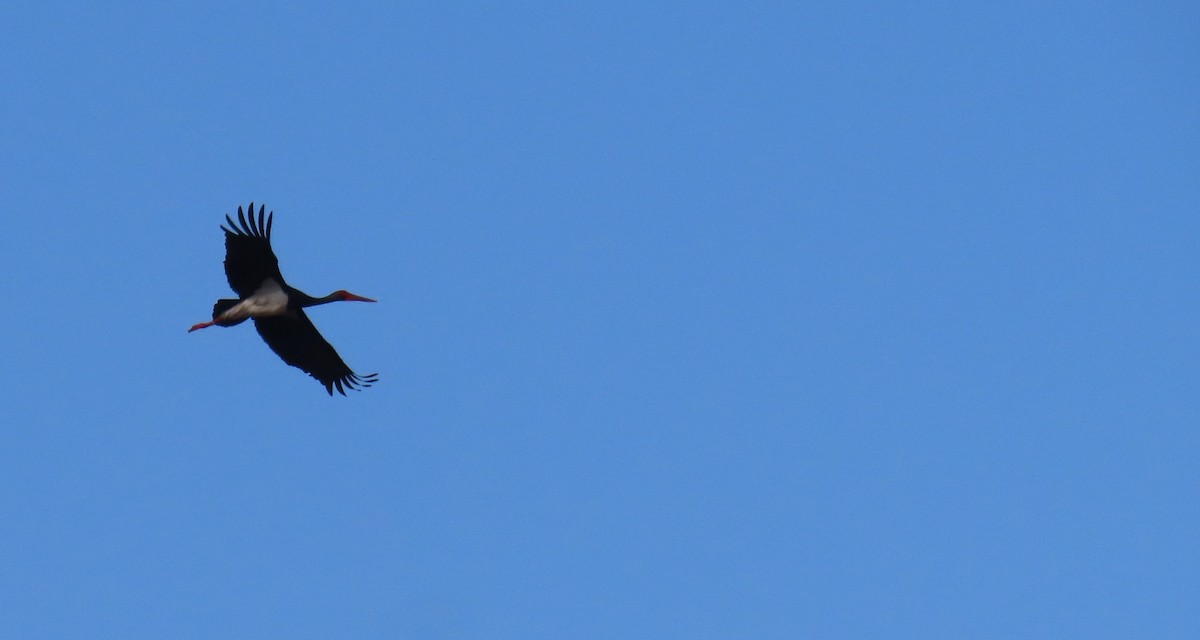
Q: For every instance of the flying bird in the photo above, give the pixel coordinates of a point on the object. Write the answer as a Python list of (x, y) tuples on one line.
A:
[(276, 308)]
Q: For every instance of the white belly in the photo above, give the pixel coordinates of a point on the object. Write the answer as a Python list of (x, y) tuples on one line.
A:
[(268, 300)]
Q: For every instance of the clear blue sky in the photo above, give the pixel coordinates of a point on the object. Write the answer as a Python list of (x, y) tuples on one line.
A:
[(696, 320)]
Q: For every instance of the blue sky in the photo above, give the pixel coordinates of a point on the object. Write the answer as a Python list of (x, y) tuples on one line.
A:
[(696, 320)]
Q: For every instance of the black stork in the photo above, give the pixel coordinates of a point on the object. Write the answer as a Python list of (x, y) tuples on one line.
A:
[(278, 309)]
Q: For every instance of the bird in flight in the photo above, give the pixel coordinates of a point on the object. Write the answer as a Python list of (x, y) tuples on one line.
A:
[(276, 308)]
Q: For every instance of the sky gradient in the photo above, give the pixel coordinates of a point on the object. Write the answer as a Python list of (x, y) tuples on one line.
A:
[(696, 320)]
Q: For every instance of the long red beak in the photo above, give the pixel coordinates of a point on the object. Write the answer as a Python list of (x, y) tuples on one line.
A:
[(351, 296)]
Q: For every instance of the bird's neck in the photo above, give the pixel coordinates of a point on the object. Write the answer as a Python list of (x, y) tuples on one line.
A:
[(306, 300)]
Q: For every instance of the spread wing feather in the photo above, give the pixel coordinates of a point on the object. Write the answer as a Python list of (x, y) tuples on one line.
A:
[(293, 338), (249, 259)]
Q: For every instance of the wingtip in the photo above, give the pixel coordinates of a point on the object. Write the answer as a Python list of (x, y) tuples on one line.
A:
[(259, 227)]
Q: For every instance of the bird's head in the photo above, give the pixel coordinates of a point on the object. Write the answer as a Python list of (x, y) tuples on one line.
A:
[(344, 295)]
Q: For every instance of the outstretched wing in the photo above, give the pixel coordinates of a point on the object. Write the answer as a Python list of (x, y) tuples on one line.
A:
[(249, 259), (293, 338)]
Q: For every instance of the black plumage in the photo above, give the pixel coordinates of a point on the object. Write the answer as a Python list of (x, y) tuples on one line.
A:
[(253, 273), (249, 260)]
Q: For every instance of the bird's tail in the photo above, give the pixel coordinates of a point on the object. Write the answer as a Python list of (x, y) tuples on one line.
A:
[(223, 305)]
